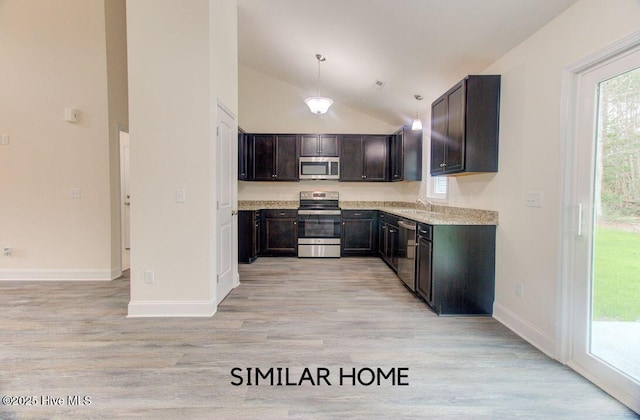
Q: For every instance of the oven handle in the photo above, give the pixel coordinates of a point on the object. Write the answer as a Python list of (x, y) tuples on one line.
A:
[(319, 212)]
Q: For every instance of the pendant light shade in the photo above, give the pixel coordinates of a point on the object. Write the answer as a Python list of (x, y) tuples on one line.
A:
[(319, 104), (417, 122)]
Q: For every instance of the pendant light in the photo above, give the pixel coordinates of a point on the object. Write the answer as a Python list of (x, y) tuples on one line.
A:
[(417, 123), (319, 104)]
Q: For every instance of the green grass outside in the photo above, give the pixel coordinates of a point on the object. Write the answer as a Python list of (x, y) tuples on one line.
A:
[(616, 275)]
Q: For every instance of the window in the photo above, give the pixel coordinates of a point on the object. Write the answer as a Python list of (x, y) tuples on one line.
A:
[(437, 187)]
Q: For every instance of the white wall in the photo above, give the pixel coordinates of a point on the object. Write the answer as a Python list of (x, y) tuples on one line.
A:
[(53, 56), (174, 80), (530, 145), (269, 105)]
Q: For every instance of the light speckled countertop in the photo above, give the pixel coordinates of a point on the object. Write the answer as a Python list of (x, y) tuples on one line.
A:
[(433, 215)]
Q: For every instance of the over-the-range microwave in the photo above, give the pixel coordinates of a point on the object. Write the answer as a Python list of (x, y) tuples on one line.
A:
[(319, 168)]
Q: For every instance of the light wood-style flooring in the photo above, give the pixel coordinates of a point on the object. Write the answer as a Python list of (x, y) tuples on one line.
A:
[(73, 339)]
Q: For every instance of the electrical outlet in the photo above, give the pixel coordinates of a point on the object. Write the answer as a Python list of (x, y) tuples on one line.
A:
[(4, 139), (534, 199), (149, 276), (519, 289), (7, 251)]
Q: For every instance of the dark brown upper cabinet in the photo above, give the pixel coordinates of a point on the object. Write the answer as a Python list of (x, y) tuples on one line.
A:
[(406, 155), (245, 159), (319, 145), (464, 127), (275, 157), (364, 158)]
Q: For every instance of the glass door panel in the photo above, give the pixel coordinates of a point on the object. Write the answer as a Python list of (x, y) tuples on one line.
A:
[(615, 291)]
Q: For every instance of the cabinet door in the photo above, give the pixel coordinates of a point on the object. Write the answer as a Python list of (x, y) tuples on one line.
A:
[(245, 236), (242, 156), (454, 149), (309, 145), (396, 156), (351, 158), (359, 233), (328, 145), (375, 158), (256, 237), (319, 145), (279, 235), (438, 134), (382, 235), (392, 246), (423, 270), (286, 158), (264, 147)]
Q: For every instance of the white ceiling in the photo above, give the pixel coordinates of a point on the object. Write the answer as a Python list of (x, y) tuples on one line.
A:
[(414, 46)]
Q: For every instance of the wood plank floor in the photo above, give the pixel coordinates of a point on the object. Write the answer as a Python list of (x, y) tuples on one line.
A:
[(73, 339)]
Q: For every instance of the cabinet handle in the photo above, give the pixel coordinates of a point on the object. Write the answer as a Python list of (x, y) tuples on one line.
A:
[(295, 223), (343, 223), (282, 213), (357, 214)]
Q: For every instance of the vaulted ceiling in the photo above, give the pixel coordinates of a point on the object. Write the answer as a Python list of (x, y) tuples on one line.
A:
[(413, 46)]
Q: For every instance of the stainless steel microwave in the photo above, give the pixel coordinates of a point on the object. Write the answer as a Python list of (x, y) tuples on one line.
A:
[(319, 168)]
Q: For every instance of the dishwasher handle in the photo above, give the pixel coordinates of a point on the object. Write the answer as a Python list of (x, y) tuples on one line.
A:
[(406, 225)]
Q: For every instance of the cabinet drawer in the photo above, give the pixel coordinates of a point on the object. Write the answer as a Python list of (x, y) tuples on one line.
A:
[(359, 214), (425, 231), (272, 213)]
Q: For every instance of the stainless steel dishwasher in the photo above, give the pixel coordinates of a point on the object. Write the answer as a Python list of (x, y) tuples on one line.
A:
[(407, 253)]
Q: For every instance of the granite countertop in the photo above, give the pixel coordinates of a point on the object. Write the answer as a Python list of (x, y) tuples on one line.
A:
[(430, 214)]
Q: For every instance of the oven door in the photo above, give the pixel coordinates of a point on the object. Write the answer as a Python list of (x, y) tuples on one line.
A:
[(319, 224)]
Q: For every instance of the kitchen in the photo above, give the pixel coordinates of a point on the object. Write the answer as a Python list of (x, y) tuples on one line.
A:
[(455, 272)]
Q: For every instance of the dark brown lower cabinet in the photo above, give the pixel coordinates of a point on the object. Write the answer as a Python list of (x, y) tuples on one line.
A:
[(359, 233), (456, 269), (248, 235), (388, 239), (279, 233)]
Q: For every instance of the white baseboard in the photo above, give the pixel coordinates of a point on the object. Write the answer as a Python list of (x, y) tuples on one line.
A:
[(116, 272), (58, 275), (144, 309), (526, 330)]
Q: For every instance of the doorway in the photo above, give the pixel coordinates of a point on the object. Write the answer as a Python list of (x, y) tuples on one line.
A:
[(604, 270), (125, 199)]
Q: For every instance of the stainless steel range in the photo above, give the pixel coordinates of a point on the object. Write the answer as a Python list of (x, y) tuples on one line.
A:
[(319, 224)]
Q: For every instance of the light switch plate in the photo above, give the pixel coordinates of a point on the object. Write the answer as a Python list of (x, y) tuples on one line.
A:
[(181, 196), (75, 193), (4, 139), (534, 199)]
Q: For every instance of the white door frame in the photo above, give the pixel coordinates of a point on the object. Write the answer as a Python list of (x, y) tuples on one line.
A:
[(125, 264), (570, 213)]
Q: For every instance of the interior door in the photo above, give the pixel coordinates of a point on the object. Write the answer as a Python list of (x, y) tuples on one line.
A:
[(605, 285), (225, 179)]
